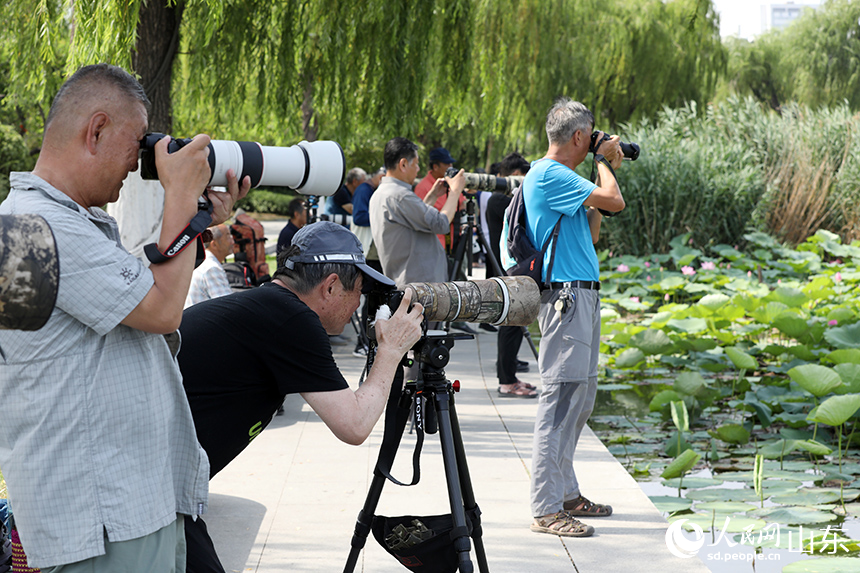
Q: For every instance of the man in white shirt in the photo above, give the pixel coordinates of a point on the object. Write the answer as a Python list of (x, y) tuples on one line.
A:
[(209, 279)]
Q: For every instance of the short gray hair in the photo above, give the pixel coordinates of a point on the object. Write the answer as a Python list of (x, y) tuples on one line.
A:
[(92, 81), (356, 173), (565, 118)]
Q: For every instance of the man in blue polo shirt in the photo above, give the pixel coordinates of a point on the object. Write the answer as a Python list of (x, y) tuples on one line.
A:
[(569, 316)]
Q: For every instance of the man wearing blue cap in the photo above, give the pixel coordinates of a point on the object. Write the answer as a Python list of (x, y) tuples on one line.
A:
[(278, 336)]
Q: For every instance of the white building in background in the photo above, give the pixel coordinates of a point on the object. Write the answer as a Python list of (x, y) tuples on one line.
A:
[(778, 16)]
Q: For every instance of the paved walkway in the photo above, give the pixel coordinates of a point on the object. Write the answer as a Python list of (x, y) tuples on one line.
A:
[(289, 502)]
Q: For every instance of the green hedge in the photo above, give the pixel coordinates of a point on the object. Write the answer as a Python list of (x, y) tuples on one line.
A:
[(263, 201)]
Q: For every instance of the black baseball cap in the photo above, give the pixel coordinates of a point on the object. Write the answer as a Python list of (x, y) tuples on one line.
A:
[(328, 242)]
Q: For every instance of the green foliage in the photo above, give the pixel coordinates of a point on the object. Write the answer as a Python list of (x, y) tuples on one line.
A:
[(13, 156), (262, 201)]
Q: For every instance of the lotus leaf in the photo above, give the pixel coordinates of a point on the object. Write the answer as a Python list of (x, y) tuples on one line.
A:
[(816, 379), (732, 434), (611, 387), (844, 355), (790, 325), (629, 358), (723, 494), (815, 496), (803, 352), (688, 325), (713, 302), (669, 504), (791, 297), (661, 399), (813, 447), (794, 515), (669, 284), (691, 482), (725, 506), (741, 359), (689, 383), (679, 416), (841, 315), (778, 449), (823, 565), (850, 374), (836, 410), (652, 342), (682, 464), (767, 313), (844, 336)]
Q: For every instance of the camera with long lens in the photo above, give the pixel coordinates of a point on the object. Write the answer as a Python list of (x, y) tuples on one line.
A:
[(629, 150), (311, 168), (487, 182), (29, 272), (501, 301), (314, 215)]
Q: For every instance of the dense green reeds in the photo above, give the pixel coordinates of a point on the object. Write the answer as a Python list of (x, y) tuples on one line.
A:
[(734, 167)]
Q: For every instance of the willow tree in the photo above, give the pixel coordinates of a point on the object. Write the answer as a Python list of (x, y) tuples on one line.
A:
[(277, 71)]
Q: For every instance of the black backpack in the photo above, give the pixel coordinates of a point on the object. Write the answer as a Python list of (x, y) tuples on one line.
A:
[(520, 248)]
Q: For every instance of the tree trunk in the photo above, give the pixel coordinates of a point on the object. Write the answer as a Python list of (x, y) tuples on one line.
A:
[(152, 60), (140, 207), (310, 125)]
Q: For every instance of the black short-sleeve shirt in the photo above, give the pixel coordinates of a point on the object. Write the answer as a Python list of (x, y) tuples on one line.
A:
[(241, 355)]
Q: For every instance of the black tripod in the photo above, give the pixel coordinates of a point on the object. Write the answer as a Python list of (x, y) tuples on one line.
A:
[(432, 387), (460, 250)]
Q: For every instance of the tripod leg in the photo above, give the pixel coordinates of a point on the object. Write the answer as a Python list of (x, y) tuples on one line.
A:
[(469, 502), (396, 402), (460, 533)]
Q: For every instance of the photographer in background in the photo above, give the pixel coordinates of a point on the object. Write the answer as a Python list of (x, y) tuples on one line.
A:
[(209, 280), (404, 227), (510, 337), (298, 219), (341, 202), (95, 397), (569, 316), (280, 328)]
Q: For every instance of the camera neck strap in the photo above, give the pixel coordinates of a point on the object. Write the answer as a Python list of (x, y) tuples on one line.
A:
[(397, 413), (599, 158), (190, 234)]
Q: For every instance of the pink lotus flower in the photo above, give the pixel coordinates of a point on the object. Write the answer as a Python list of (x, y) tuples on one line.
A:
[(749, 274), (647, 265), (779, 281), (688, 270), (708, 266), (728, 265), (648, 278), (634, 299), (837, 277), (623, 268), (833, 322), (666, 296)]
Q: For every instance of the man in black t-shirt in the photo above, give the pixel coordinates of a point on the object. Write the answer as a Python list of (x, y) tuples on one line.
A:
[(277, 337)]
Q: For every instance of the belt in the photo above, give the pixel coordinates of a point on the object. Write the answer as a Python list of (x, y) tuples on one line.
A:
[(590, 285)]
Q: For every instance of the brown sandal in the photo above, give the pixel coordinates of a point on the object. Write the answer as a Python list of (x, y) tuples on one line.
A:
[(562, 523), (581, 507), (517, 390)]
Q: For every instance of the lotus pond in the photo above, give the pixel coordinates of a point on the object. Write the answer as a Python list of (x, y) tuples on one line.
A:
[(730, 390)]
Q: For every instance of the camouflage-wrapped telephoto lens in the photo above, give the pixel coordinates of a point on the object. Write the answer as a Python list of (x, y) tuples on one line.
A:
[(29, 272), (487, 182), (511, 301)]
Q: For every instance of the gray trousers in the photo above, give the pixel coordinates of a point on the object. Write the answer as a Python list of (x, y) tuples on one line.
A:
[(570, 345)]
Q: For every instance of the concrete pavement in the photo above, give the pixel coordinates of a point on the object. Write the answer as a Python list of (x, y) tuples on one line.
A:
[(290, 500)]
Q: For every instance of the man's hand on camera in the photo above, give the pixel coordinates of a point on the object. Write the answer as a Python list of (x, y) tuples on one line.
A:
[(185, 172), (611, 150), (223, 201), (440, 186), (400, 332), (457, 183)]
